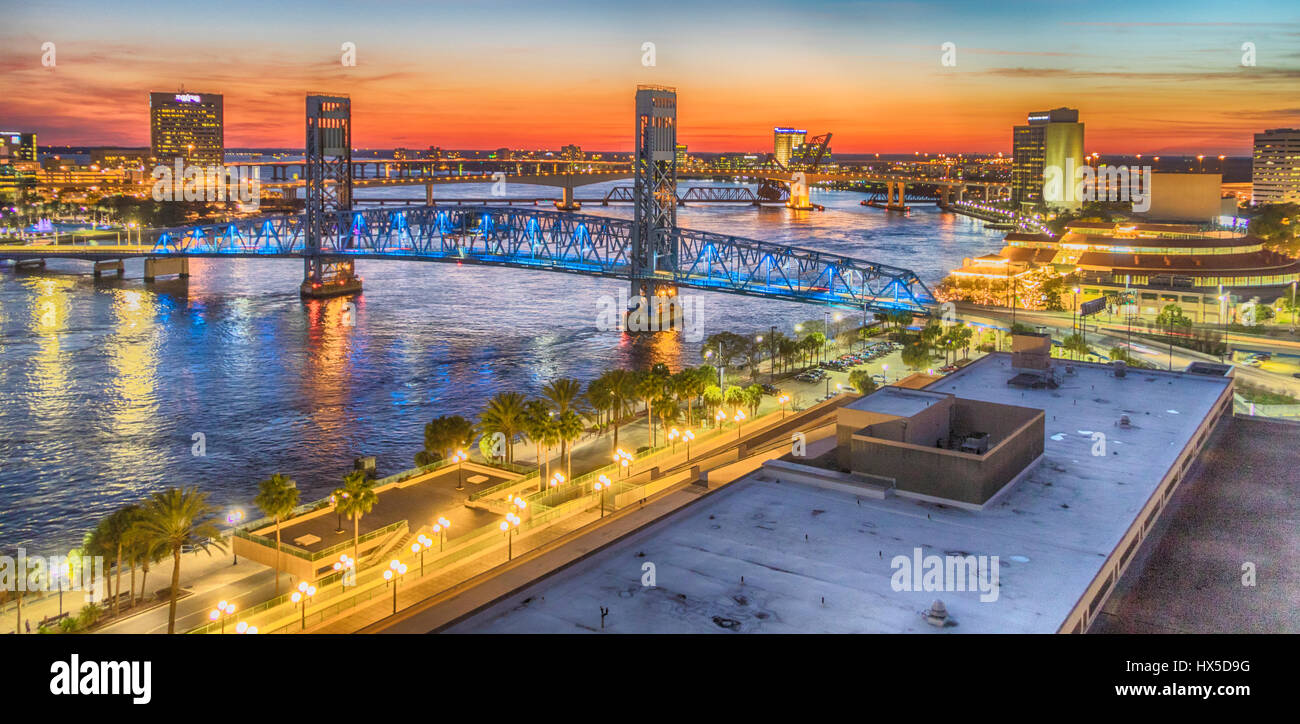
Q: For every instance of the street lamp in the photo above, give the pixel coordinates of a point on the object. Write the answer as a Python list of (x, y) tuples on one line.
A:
[(624, 459), (783, 399), (511, 527), (224, 610), (441, 529), (739, 418), (244, 628), (459, 458), (396, 569), (303, 595), (688, 436), (344, 563), (673, 434), (232, 519), (419, 546), (720, 417), (602, 485)]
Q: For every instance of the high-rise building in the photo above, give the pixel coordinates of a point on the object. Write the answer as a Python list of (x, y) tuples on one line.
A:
[(572, 152), (784, 141), (21, 146), (188, 126), (1050, 140), (1275, 176), (681, 155)]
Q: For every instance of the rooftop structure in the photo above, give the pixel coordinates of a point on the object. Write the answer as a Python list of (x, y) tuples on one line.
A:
[(786, 553)]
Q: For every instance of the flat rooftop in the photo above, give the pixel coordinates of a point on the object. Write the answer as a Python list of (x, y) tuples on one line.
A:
[(900, 401), (1052, 531)]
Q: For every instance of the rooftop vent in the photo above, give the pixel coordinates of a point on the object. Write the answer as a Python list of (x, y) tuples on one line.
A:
[(937, 615), (1125, 422), (977, 443), (1120, 367)]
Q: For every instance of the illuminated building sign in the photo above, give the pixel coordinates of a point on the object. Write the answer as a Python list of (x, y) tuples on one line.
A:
[(187, 98)]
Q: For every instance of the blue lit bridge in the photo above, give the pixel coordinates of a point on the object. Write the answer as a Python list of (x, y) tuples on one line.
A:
[(539, 239)]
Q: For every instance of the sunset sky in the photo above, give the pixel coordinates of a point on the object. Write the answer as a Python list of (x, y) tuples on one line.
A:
[(1163, 78)]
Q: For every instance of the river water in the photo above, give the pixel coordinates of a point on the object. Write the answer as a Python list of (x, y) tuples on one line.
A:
[(110, 389)]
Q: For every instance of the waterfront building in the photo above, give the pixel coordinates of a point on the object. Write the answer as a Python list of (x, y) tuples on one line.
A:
[(784, 141), (1275, 173), (1049, 140), (189, 126)]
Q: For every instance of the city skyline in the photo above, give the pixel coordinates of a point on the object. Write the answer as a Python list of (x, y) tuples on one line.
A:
[(871, 76)]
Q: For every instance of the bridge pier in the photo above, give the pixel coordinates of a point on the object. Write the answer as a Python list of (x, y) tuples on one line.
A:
[(656, 308), (428, 194), (24, 264), (566, 203), (110, 265), (799, 198), (328, 277), (164, 266), (893, 203)]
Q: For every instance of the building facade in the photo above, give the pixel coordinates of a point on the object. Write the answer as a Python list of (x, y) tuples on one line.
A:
[(1049, 140), (19, 146), (188, 126), (1275, 174), (784, 141)]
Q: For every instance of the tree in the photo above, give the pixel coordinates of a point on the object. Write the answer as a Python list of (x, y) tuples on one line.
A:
[(916, 355), (753, 398), (277, 496), (1076, 345), (1171, 318), (734, 396), (713, 398), (443, 435), (862, 382), (565, 395), (176, 518), (113, 537), (568, 428), (144, 550), (355, 499), (622, 390), (690, 386), (540, 428), (650, 387), (505, 414)]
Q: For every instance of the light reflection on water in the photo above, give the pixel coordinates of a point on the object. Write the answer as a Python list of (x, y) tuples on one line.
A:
[(103, 384)]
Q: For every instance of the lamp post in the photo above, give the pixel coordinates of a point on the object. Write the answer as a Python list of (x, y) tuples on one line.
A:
[(783, 399), (233, 519), (441, 529), (602, 485), (419, 546), (224, 610), (720, 418), (459, 459), (510, 526), (624, 459), (556, 480), (673, 434), (739, 418), (1074, 313), (396, 569), (243, 628), (344, 563), (688, 436), (303, 595)]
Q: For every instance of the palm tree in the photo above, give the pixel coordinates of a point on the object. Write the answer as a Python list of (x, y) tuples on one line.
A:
[(601, 399), (713, 397), (117, 532), (143, 550), (505, 414), (443, 435), (277, 496), (568, 428), (650, 387), (358, 498), (177, 518), (565, 395), (622, 390)]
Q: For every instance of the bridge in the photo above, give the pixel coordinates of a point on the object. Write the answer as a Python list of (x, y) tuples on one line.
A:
[(537, 239), (650, 251)]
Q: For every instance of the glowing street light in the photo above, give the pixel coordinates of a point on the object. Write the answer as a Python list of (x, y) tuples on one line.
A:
[(739, 418), (511, 527), (623, 459), (344, 563), (440, 528), (224, 610), (783, 399), (459, 458), (673, 434), (688, 436), (303, 595), (233, 518), (396, 569), (602, 486), (244, 628)]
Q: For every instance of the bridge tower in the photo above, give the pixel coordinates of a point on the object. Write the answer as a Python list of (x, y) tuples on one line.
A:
[(654, 190), (328, 168)]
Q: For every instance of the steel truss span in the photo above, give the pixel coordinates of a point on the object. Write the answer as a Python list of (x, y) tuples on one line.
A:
[(550, 241)]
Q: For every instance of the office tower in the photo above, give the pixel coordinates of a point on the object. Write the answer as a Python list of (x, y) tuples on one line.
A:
[(1275, 174), (21, 146), (1049, 140), (784, 141), (189, 126)]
